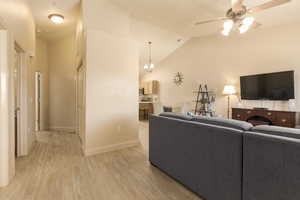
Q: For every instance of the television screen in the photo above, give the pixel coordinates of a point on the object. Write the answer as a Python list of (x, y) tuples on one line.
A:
[(273, 86)]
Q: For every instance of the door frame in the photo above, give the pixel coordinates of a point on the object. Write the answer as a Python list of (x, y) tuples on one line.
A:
[(80, 97), (38, 96), (22, 136), (7, 106), (7, 136)]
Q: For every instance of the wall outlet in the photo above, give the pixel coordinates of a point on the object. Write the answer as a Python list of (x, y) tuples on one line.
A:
[(119, 128)]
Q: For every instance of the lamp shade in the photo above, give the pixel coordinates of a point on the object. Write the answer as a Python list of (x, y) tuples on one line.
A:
[(229, 90)]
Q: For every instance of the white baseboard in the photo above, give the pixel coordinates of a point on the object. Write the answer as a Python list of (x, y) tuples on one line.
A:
[(62, 129), (109, 148)]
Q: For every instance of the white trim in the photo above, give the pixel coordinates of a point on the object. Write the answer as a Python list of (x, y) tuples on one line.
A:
[(68, 129), (7, 136), (109, 148), (23, 148)]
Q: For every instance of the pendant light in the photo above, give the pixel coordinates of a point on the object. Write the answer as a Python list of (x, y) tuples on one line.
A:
[(148, 67)]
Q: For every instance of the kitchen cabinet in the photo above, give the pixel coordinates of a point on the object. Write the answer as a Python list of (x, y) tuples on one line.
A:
[(150, 87)]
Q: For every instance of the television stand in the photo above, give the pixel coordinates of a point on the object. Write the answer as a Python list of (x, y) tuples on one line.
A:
[(263, 117), (260, 108)]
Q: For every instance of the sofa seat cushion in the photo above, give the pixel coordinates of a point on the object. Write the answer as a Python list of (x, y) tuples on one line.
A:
[(230, 123), (176, 116), (276, 130)]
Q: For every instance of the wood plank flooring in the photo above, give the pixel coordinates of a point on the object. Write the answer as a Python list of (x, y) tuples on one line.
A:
[(56, 170)]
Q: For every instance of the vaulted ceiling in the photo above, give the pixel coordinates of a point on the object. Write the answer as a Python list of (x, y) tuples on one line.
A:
[(180, 16), (163, 22)]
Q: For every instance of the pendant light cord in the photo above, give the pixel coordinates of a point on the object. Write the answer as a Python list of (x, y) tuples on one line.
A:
[(150, 54)]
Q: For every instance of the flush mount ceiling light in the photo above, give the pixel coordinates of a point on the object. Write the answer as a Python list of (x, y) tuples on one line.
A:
[(56, 18), (149, 66)]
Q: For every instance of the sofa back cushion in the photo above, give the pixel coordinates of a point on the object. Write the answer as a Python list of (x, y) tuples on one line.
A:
[(203, 157), (230, 123), (276, 130), (176, 116)]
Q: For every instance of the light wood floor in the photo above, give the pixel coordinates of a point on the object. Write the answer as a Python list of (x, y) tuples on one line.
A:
[(56, 170)]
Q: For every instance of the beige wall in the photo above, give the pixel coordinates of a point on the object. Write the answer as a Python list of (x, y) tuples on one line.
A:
[(111, 92), (111, 78), (30, 102), (42, 66), (62, 84), (103, 15), (16, 16), (218, 60)]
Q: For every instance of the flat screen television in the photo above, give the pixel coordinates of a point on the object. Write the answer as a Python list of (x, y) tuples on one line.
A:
[(273, 86)]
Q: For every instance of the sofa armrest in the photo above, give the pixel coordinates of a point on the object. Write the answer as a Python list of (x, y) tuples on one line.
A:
[(271, 167)]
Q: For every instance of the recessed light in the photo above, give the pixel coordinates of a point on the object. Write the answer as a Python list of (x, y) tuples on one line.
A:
[(56, 18)]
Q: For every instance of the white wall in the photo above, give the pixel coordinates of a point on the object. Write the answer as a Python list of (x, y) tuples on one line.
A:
[(7, 139), (61, 57), (111, 91), (42, 66), (111, 78), (15, 16), (218, 60), (31, 69), (103, 15)]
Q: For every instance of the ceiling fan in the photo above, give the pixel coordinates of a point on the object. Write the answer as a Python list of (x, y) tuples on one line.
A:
[(240, 16)]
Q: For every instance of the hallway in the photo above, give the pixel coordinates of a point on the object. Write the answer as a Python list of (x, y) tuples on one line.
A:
[(57, 170)]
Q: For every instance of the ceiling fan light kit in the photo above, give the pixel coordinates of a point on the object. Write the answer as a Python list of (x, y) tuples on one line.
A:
[(248, 21), (243, 28), (238, 16)]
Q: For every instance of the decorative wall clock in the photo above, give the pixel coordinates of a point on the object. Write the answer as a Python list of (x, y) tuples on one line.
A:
[(178, 79)]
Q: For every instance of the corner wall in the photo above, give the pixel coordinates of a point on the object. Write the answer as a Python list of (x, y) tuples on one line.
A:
[(61, 56), (111, 79), (218, 60), (17, 19), (42, 66), (16, 16), (111, 93)]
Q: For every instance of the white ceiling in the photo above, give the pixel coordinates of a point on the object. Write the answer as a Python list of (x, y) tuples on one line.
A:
[(41, 9), (169, 20), (163, 41), (179, 16), (161, 21)]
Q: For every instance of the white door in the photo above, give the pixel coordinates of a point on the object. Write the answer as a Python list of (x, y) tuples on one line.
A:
[(17, 99), (38, 77)]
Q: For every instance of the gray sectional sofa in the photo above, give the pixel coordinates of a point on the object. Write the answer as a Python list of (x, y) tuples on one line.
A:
[(221, 159)]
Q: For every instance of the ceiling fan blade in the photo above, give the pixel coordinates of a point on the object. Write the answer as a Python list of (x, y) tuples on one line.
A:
[(268, 5), (211, 20), (237, 5)]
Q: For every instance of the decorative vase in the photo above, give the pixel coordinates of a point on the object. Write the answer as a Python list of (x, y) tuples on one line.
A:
[(292, 105)]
